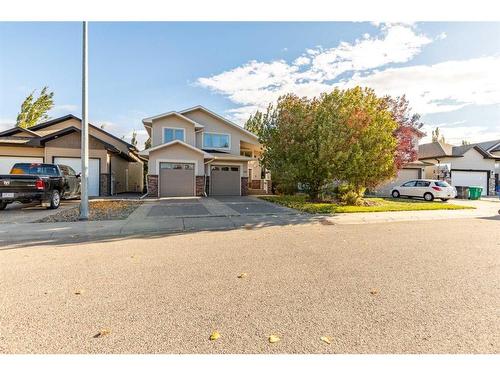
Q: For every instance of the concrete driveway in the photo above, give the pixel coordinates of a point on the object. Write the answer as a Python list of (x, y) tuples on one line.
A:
[(19, 213)]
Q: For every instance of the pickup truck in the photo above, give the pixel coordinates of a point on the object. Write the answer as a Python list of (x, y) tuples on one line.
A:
[(34, 182)]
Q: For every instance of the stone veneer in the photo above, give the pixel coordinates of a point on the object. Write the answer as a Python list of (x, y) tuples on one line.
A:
[(104, 185), (152, 185), (244, 186), (207, 185), (200, 181), (492, 184)]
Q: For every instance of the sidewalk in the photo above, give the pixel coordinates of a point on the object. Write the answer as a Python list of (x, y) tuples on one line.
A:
[(139, 223)]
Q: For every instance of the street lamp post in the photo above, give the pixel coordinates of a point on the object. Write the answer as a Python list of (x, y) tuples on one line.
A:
[(84, 203)]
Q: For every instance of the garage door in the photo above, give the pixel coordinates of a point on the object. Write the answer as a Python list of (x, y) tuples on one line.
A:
[(470, 178), (225, 180), (76, 164), (176, 180), (6, 162), (405, 174)]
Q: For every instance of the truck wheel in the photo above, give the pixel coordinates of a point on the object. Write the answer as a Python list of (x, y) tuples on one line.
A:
[(3, 205), (55, 200)]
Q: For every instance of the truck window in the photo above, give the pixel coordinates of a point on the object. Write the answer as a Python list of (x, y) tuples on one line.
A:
[(37, 169)]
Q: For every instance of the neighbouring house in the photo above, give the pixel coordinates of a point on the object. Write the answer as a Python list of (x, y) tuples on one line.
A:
[(469, 165), (114, 165), (410, 171), (196, 152)]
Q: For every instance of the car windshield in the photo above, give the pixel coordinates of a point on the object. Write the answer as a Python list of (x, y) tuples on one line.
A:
[(441, 183), (38, 169)]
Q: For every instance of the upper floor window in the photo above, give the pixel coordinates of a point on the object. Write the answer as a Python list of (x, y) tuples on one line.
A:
[(246, 153), (215, 140), (172, 134)]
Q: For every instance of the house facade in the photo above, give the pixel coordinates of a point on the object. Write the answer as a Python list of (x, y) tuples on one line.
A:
[(410, 171), (196, 152), (114, 165), (469, 165)]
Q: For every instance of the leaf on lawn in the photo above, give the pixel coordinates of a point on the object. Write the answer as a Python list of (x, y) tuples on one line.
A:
[(214, 336), (326, 339), (242, 275), (374, 291), (273, 339), (102, 333)]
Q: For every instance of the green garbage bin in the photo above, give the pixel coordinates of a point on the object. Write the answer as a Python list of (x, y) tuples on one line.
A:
[(475, 192)]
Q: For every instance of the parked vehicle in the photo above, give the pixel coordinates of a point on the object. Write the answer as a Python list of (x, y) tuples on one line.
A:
[(46, 183), (427, 189)]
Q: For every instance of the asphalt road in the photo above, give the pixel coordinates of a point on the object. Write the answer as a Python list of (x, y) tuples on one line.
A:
[(423, 287)]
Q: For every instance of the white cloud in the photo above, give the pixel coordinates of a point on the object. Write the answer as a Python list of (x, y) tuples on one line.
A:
[(255, 84), (6, 123), (437, 88), (454, 134)]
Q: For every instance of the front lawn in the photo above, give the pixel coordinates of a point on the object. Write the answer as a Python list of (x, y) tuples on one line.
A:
[(299, 202)]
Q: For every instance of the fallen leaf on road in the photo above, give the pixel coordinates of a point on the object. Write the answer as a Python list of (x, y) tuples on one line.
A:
[(273, 339), (242, 275), (248, 226), (78, 292), (374, 291), (326, 339), (102, 332), (214, 336), (326, 222)]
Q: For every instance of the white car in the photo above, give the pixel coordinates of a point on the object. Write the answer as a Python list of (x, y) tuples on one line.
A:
[(427, 189)]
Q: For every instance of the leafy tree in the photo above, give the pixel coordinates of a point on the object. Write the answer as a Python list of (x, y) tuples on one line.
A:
[(408, 123), (147, 144), (465, 142), (345, 135), (34, 111), (254, 123), (437, 136), (133, 141)]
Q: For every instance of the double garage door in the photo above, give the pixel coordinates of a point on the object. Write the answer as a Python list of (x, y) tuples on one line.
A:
[(6, 162), (178, 180), (470, 178), (76, 164)]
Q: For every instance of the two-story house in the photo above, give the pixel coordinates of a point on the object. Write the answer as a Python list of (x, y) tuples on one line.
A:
[(197, 152)]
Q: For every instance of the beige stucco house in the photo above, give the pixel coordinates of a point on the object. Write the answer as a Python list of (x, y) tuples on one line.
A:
[(469, 165), (196, 152), (114, 165)]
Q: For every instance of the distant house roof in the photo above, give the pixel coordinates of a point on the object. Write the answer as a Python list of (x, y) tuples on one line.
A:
[(440, 149)]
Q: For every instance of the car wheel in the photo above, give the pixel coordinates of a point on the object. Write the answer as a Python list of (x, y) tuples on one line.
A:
[(428, 197), (444, 199), (3, 205), (395, 194), (55, 200)]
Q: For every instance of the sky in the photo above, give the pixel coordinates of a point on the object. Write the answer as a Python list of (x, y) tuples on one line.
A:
[(449, 71)]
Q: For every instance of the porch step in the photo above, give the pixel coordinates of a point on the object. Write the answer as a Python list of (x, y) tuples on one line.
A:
[(257, 192)]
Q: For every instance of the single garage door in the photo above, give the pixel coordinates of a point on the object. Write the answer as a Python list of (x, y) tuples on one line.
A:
[(405, 174), (6, 162), (176, 180), (225, 180), (76, 164), (470, 178)]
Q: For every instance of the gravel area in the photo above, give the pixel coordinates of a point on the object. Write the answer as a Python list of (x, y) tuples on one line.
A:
[(407, 287), (98, 210)]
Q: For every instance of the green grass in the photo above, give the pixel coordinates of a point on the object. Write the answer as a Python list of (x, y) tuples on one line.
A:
[(299, 202)]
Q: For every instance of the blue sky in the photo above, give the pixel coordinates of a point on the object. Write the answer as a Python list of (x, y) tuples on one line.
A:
[(449, 71)]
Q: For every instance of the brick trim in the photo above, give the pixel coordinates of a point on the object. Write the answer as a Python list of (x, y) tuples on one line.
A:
[(153, 185)]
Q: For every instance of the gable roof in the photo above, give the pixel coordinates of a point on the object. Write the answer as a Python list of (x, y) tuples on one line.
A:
[(225, 120), (149, 120), (440, 149), (171, 143), (58, 120)]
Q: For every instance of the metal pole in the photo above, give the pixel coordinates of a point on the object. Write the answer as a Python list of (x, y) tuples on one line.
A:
[(84, 203)]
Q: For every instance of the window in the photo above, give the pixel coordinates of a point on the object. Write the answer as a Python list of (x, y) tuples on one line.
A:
[(172, 134), (38, 169), (214, 140), (441, 183), (246, 153), (423, 183), (409, 184)]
